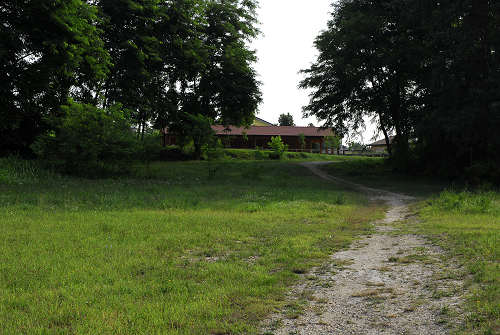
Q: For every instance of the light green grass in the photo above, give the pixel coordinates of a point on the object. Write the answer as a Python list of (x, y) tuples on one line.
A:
[(183, 248), (468, 226)]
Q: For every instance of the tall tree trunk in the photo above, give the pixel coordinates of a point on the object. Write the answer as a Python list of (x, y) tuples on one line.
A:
[(386, 135), (143, 129)]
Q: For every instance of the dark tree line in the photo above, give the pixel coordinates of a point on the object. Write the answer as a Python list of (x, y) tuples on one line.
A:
[(180, 64), (428, 71)]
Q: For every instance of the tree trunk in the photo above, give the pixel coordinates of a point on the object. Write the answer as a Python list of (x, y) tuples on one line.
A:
[(386, 135)]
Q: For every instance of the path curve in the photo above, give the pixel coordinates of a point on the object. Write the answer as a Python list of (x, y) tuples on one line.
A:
[(386, 283)]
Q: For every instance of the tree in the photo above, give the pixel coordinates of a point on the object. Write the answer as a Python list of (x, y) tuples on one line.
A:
[(356, 146), (195, 128), (277, 146), (333, 142), (49, 50), (222, 86), (160, 60), (302, 141), (462, 82), (367, 66), (286, 120)]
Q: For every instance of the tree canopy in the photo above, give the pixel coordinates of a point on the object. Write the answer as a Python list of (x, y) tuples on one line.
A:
[(165, 62), (426, 71), (286, 120)]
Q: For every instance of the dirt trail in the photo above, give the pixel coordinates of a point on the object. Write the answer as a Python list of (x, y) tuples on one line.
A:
[(387, 283)]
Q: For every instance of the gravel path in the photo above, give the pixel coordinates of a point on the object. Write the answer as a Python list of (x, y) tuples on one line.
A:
[(387, 283)]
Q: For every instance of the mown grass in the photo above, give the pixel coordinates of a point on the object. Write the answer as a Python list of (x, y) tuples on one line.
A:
[(467, 224), (181, 248)]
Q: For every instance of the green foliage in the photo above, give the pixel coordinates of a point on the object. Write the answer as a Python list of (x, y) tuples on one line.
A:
[(286, 120), (149, 148), (278, 147), (16, 171), (302, 141), (333, 142), (159, 59), (356, 146), (87, 140), (427, 71), (49, 51), (196, 129), (214, 150)]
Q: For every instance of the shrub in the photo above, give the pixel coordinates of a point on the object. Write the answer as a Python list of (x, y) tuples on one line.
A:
[(278, 147), (88, 141), (194, 130), (259, 154)]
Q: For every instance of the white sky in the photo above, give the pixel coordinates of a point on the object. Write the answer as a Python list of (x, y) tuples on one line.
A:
[(286, 46)]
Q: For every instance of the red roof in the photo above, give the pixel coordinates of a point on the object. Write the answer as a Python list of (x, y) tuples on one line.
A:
[(273, 131)]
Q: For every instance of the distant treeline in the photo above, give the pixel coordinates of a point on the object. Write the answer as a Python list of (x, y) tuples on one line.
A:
[(181, 64), (428, 71)]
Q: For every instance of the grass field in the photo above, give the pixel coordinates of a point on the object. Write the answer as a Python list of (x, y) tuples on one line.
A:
[(208, 247), (468, 226), (182, 248)]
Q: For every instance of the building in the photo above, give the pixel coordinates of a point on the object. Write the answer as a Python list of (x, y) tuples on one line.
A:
[(261, 123), (380, 146), (260, 136), (260, 133)]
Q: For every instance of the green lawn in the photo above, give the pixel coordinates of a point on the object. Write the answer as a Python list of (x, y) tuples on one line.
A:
[(182, 248), (468, 226)]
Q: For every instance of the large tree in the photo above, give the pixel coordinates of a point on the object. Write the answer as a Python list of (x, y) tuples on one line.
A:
[(48, 51), (365, 68), (427, 71), (224, 88), (286, 120)]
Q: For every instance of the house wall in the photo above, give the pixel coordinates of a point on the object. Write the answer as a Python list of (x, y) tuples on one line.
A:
[(380, 149), (293, 142), (238, 142)]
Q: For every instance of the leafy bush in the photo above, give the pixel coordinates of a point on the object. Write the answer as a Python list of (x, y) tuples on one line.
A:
[(195, 130), (88, 141), (278, 147)]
